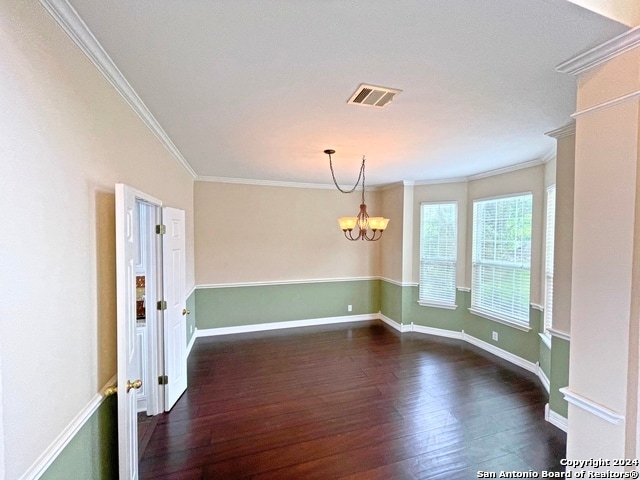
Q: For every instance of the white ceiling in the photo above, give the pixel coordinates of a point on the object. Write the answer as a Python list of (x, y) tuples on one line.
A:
[(258, 89)]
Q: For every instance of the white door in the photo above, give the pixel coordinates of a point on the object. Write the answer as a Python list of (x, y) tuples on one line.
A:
[(174, 277), (128, 368)]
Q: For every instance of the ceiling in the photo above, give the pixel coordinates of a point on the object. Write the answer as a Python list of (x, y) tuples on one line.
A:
[(257, 90)]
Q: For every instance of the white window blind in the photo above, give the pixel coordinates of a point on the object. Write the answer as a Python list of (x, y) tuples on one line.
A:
[(501, 258), (438, 253), (549, 248)]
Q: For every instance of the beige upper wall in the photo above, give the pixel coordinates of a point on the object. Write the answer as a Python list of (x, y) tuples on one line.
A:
[(563, 242), (440, 193), (251, 233), (550, 172), (526, 180), (391, 248), (67, 138)]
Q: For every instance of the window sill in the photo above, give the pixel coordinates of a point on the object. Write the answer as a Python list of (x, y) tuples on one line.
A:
[(488, 316), (448, 306), (546, 339)]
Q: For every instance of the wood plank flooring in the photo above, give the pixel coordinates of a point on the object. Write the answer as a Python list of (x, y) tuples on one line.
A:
[(350, 401)]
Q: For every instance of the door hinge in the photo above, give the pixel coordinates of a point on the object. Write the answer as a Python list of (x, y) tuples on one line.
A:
[(161, 229), (163, 380), (162, 305)]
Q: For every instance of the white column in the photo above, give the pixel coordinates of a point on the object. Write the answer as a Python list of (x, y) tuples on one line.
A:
[(603, 375)]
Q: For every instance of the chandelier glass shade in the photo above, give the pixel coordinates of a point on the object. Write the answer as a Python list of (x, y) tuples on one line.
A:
[(362, 226)]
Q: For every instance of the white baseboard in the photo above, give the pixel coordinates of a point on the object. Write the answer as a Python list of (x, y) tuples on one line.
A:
[(440, 332), (392, 323), (510, 357), (141, 404), (544, 379), (260, 327), (50, 454), (192, 341), (555, 419)]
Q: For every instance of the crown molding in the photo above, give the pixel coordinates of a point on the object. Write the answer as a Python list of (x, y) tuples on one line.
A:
[(564, 131), (389, 186), (277, 183), (551, 155), (601, 53), (67, 17), (264, 183), (421, 183), (490, 173), (393, 185), (509, 168)]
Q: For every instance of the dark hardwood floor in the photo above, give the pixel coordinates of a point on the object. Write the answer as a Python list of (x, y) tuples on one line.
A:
[(350, 401)]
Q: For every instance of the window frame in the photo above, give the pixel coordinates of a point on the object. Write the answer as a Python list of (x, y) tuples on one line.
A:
[(549, 258), (477, 262), (433, 302)]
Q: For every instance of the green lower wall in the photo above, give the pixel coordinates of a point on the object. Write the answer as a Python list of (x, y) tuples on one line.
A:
[(249, 305), (441, 318), (93, 452), (523, 344), (391, 301), (400, 303), (545, 359), (559, 377)]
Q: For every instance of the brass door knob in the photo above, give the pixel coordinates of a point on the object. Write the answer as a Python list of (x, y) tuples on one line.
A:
[(137, 384), (185, 311)]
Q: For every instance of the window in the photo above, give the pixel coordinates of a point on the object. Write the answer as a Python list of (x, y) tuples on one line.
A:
[(549, 248), (501, 258), (438, 254)]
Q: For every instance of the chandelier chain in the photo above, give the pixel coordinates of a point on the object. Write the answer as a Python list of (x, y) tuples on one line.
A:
[(360, 177)]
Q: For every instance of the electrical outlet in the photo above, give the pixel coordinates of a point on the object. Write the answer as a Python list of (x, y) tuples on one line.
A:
[(494, 336), (349, 308)]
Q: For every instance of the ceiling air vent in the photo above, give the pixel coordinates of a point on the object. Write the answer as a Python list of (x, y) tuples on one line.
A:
[(372, 96)]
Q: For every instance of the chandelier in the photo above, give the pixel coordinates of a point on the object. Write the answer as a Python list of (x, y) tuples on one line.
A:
[(369, 228)]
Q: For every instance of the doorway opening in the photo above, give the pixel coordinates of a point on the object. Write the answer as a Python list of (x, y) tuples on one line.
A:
[(149, 325)]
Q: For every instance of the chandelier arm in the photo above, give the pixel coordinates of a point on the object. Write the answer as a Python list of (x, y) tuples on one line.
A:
[(348, 235), (375, 236), (360, 177)]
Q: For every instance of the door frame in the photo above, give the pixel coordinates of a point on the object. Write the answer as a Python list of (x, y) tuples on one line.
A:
[(154, 317)]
